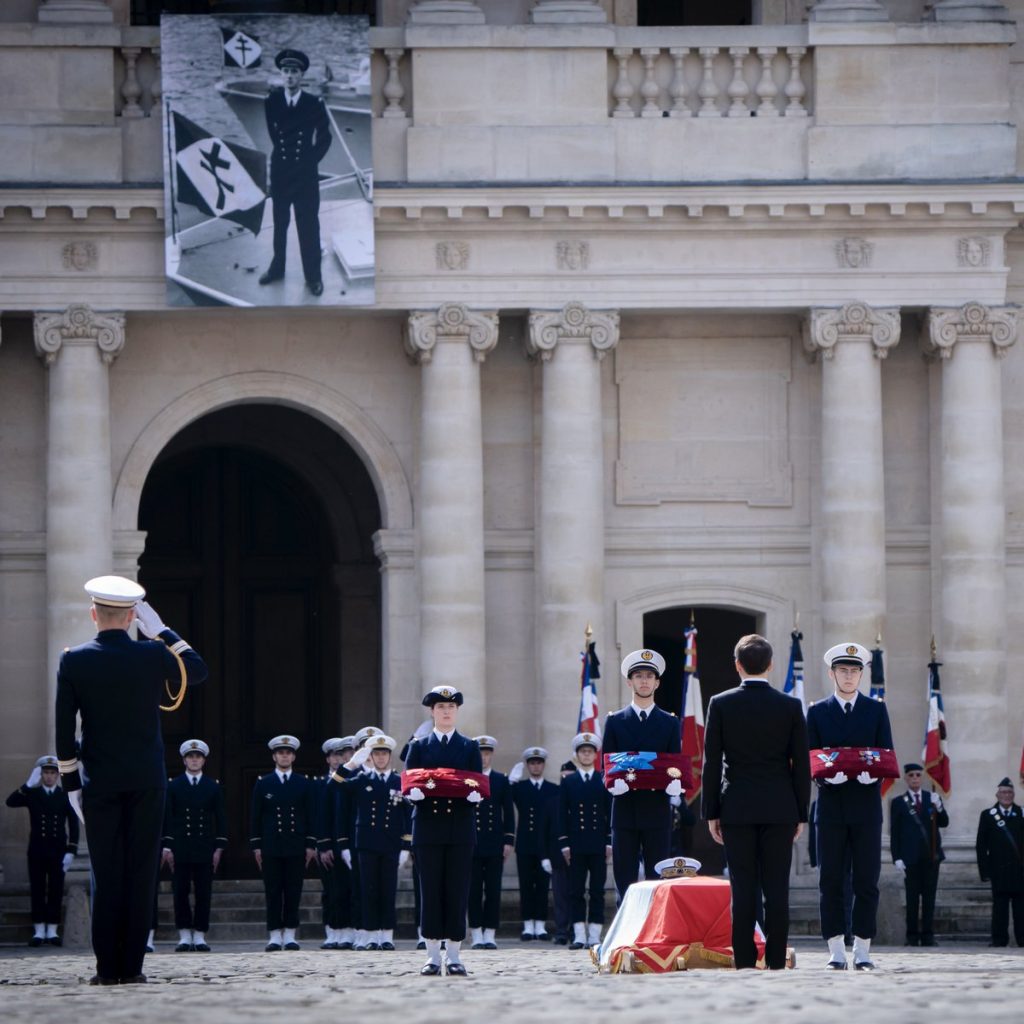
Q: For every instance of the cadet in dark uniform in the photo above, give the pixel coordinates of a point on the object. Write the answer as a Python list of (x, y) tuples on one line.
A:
[(585, 840), (282, 823), (380, 836), (335, 874), (916, 846), (117, 684), (301, 133), (555, 865), (495, 839), (444, 834), (1000, 849), (848, 812), (195, 836), (52, 845), (641, 821), (532, 796)]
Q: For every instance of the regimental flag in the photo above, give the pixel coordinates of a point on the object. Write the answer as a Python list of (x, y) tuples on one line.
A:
[(241, 50), (692, 715), (878, 692), (589, 717), (934, 756), (794, 685), (221, 179)]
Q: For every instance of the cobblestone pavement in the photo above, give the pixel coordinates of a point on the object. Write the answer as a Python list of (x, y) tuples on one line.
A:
[(515, 985)]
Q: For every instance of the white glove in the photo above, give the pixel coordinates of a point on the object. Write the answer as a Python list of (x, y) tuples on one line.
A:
[(546, 865), (68, 858), (346, 856), (474, 797), (900, 866), (35, 778), (619, 787), (150, 624), (676, 801), (416, 794), (358, 759), (865, 779), (937, 801), (674, 788), (403, 858), (516, 774), (838, 779)]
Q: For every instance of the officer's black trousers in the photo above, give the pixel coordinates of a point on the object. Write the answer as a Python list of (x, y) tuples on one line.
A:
[(584, 867), (533, 888), (856, 849), (187, 876), (1002, 901), (46, 881), (302, 195), (485, 891), (444, 872), (921, 881), (560, 896), (378, 876), (630, 844), (336, 898), (124, 846), (282, 885)]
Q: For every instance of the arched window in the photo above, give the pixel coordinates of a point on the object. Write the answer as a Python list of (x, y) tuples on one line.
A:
[(147, 12), (694, 12)]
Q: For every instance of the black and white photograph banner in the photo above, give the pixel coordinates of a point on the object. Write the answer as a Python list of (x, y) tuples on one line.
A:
[(268, 175)]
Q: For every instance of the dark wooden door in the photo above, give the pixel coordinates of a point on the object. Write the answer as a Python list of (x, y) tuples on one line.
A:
[(239, 560)]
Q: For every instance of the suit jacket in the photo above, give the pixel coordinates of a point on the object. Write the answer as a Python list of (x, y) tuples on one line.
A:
[(282, 821), (301, 136), (623, 732), (867, 725), (914, 838), (761, 736), (533, 832), (381, 817), (117, 684), (53, 829), (495, 818), (1000, 848), (584, 814), (444, 820), (195, 823)]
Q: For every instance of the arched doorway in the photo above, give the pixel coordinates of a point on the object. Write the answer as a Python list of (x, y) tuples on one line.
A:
[(259, 522)]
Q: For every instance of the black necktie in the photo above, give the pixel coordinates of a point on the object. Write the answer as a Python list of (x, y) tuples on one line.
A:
[(848, 706), (643, 716), (195, 780), (586, 776), (444, 740)]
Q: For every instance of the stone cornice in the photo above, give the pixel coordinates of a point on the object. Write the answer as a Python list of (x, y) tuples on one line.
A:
[(451, 322), (972, 322), (856, 321), (82, 203), (574, 322), (79, 325)]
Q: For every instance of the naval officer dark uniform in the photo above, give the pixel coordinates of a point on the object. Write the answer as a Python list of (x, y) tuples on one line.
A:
[(300, 131), (116, 684), (533, 799), (1000, 850), (335, 874)]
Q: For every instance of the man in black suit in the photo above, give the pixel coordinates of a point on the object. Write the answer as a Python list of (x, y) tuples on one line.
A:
[(759, 806), (301, 133), (533, 796), (642, 820), (195, 836), (1000, 850), (849, 811), (116, 685), (916, 846), (444, 834)]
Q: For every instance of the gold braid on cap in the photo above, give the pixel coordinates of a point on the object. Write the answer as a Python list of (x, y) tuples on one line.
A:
[(176, 701)]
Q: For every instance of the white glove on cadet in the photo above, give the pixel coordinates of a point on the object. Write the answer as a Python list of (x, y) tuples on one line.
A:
[(674, 788), (865, 779), (546, 865), (358, 759), (403, 858), (474, 797), (838, 779), (68, 858), (900, 866), (417, 794), (346, 856), (34, 779), (516, 774), (150, 624), (619, 787)]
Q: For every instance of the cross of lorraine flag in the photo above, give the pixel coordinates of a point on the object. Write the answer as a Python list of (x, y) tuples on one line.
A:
[(241, 50), (221, 179)]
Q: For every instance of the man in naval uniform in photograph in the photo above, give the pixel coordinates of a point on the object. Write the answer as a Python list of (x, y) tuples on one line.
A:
[(300, 131), (915, 843), (1000, 850), (52, 846), (444, 834), (281, 827), (641, 821), (116, 684), (195, 836), (848, 812), (533, 797), (335, 874)]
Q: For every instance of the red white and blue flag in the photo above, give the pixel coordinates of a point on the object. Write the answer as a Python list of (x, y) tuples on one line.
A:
[(590, 716), (935, 757), (692, 715), (878, 692), (794, 684)]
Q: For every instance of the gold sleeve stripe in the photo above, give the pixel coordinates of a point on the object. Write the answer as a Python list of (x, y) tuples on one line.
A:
[(66, 767)]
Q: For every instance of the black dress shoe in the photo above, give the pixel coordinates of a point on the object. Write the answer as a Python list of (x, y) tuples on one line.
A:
[(201, 947), (372, 947), (421, 944), (348, 945), (430, 970), (292, 946), (270, 276), (836, 965), (135, 979), (864, 965), (561, 940), (912, 940), (526, 937), (36, 940), (929, 941), (315, 287), (183, 947), (387, 947), (456, 970), (328, 945), (490, 945), (543, 937), (55, 940), (98, 979), (272, 947), (149, 948), (479, 945), (575, 945)]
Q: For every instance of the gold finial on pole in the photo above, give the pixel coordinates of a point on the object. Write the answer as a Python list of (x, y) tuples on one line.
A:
[(935, 650), (692, 618), (878, 639), (588, 634), (796, 621)]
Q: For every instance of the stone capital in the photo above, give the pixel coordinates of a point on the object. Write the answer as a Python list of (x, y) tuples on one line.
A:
[(856, 321), (574, 322), (568, 12), (446, 12), (79, 325), (452, 322), (969, 10), (973, 322)]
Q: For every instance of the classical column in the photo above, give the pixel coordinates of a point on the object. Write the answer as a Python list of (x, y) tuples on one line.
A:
[(970, 342), (446, 12), (568, 12), (848, 10), (852, 342), (570, 532), (78, 347), (449, 345)]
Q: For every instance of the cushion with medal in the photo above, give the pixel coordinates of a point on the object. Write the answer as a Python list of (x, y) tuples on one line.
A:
[(878, 762), (645, 769), (448, 782)]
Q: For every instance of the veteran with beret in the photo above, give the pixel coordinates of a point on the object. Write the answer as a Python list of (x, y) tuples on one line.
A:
[(1000, 850)]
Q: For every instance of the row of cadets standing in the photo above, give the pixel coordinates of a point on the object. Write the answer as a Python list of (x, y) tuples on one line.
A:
[(335, 874)]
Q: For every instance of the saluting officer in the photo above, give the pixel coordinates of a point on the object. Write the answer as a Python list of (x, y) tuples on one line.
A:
[(532, 796), (282, 823), (1000, 850), (335, 874), (116, 685), (495, 838), (380, 836), (848, 812), (195, 836), (642, 820), (444, 834), (585, 840), (52, 845)]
